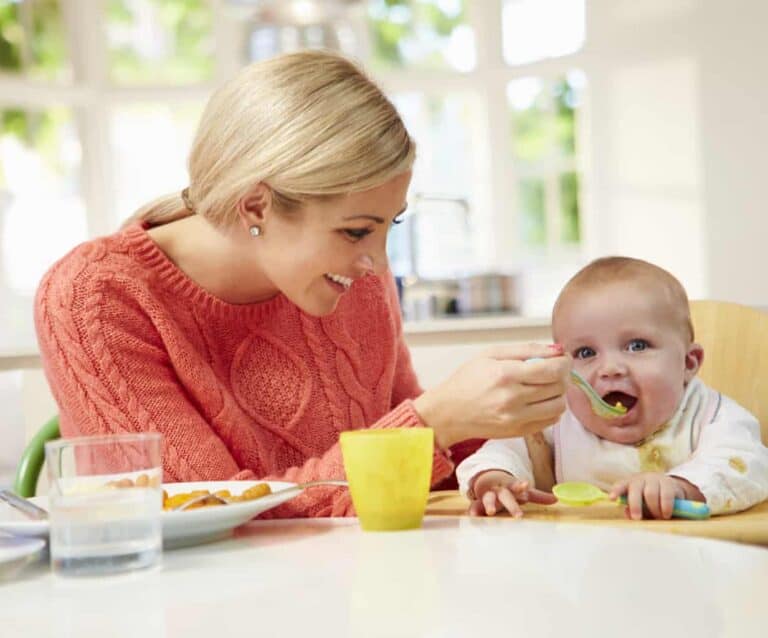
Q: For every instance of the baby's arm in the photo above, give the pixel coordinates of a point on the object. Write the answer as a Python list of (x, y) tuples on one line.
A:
[(730, 464), (507, 455), (497, 477)]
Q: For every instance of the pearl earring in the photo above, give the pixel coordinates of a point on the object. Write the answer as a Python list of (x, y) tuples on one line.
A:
[(255, 231)]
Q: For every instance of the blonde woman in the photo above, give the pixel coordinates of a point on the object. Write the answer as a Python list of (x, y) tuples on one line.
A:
[(252, 317)]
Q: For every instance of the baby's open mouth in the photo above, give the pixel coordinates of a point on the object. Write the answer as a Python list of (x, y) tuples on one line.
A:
[(627, 400)]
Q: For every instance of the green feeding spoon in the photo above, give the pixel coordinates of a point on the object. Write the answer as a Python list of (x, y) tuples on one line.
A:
[(599, 407), (578, 494)]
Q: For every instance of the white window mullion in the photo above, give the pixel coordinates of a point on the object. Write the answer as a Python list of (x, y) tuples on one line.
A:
[(496, 234), (86, 20)]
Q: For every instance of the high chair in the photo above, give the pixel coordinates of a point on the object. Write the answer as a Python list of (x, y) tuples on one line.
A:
[(735, 342)]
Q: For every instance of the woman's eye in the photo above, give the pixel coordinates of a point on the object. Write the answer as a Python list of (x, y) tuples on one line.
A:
[(357, 233), (398, 220), (637, 345), (583, 353)]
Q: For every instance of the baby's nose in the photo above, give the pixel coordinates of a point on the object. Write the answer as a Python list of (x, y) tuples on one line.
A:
[(612, 366)]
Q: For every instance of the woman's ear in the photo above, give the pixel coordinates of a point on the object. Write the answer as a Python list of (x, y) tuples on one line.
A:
[(693, 360), (255, 206)]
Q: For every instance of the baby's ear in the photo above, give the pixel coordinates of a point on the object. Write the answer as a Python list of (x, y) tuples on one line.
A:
[(693, 360)]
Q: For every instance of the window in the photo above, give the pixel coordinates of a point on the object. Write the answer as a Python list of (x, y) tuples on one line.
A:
[(99, 102), (543, 145)]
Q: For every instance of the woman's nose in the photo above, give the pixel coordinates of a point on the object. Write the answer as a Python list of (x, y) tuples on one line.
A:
[(365, 265)]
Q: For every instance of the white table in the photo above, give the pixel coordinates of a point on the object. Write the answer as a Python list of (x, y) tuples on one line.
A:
[(455, 577)]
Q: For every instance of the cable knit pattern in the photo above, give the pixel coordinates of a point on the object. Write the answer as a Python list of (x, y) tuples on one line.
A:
[(131, 344)]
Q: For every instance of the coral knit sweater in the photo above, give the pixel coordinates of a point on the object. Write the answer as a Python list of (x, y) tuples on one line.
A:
[(131, 344)]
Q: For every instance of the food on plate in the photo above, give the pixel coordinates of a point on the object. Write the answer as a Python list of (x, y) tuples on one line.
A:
[(142, 480), (251, 494)]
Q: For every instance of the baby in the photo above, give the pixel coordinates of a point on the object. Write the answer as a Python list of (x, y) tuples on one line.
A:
[(627, 325)]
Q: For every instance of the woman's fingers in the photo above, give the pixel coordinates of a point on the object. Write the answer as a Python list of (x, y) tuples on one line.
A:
[(545, 411), (523, 351), (531, 394), (543, 372)]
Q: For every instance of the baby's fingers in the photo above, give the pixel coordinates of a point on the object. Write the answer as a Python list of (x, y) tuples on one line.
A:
[(541, 497), (510, 503), (489, 503), (619, 488), (635, 501), (667, 499)]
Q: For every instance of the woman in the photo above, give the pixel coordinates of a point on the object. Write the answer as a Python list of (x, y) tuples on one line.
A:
[(252, 318)]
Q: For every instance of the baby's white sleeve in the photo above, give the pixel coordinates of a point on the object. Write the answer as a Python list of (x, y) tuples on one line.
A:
[(730, 463), (509, 455)]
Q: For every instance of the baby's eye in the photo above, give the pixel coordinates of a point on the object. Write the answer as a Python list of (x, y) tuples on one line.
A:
[(638, 345), (583, 353), (357, 233)]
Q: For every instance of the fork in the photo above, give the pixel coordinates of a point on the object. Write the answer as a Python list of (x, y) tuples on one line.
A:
[(300, 487), (23, 505)]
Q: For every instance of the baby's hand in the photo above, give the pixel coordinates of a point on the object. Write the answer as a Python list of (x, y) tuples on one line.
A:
[(657, 491), (496, 490)]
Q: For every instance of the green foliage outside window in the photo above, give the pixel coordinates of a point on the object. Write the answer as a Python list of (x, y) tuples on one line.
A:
[(533, 214), (188, 24), (37, 49), (396, 22), (33, 44), (569, 208)]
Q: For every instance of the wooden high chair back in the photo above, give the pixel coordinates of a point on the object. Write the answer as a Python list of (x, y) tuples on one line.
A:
[(735, 342)]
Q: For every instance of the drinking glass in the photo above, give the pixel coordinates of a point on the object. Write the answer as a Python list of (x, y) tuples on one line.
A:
[(389, 472), (105, 502)]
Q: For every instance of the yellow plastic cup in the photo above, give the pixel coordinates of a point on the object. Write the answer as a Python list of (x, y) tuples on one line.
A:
[(389, 472)]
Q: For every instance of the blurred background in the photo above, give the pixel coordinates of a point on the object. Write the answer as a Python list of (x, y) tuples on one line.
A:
[(549, 132)]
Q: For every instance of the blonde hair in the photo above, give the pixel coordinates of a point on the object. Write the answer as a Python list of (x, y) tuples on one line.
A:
[(309, 125), (610, 270)]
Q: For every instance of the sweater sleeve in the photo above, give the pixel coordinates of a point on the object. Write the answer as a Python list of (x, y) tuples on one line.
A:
[(110, 372), (326, 501), (730, 463), (334, 501)]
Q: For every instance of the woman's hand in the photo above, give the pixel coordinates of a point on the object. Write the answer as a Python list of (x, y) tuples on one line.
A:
[(498, 395), (495, 491)]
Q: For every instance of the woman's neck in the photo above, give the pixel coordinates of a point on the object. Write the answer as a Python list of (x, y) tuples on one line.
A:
[(216, 260)]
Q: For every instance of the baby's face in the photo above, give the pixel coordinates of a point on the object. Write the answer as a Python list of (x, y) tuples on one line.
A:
[(630, 345)]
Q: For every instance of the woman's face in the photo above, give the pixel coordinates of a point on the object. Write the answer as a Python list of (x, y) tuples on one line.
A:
[(314, 255)]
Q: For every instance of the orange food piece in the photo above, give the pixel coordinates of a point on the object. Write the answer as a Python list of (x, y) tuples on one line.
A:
[(251, 494)]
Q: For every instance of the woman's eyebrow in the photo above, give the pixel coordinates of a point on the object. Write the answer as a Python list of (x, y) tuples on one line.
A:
[(375, 218)]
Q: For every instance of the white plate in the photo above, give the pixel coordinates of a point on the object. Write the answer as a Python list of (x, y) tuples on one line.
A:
[(179, 528), (15, 552)]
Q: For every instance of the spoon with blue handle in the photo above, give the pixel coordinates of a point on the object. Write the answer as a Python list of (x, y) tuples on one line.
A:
[(577, 493), (599, 407)]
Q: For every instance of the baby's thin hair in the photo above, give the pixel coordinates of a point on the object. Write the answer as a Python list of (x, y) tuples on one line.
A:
[(616, 269)]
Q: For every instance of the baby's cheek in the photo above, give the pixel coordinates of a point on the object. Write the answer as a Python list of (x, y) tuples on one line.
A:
[(663, 402)]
